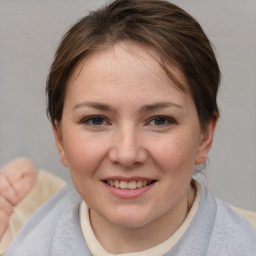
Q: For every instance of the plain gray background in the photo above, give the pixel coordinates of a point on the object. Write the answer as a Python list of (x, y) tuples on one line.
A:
[(30, 31)]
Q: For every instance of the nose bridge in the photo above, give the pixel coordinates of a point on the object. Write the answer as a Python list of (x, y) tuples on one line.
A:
[(127, 145), (127, 139)]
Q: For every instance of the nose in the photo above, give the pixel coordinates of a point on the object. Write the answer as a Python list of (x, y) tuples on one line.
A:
[(127, 148)]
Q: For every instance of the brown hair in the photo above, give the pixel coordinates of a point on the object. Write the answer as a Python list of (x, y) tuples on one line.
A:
[(177, 38)]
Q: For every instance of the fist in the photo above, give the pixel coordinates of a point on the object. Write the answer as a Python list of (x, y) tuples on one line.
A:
[(16, 180)]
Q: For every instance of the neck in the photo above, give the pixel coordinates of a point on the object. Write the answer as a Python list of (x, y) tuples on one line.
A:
[(117, 240)]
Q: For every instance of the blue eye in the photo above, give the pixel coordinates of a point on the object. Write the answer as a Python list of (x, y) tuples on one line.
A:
[(161, 121), (94, 121)]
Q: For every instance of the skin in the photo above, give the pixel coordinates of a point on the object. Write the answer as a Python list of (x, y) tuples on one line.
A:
[(124, 119), (16, 180)]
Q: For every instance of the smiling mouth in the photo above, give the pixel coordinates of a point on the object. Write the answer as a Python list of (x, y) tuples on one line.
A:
[(134, 184)]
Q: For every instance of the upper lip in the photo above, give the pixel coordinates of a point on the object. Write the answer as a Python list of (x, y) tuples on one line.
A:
[(133, 178)]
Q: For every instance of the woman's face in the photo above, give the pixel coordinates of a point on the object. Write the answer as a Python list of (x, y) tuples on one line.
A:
[(130, 137)]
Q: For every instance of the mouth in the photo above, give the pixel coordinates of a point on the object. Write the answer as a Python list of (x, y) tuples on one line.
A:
[(131, 185)]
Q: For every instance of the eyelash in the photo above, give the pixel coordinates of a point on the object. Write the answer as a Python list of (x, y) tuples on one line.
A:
[(89, 120), (101, 121), (167, 121)]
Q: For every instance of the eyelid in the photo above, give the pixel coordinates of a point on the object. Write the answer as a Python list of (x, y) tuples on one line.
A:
[(85, 120), (171, 120)]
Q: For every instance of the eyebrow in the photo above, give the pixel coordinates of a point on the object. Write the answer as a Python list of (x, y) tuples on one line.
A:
[(160, 105), (96, 105), (146, 108)]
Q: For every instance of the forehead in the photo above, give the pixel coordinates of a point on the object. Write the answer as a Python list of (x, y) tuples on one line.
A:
[(123, 66), (125, 53)]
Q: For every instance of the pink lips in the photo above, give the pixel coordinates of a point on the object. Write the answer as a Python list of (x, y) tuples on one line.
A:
[(127, 193)]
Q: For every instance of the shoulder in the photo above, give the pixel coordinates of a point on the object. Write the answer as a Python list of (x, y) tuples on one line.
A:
[(54, 226), (232, 234), (249, 215)]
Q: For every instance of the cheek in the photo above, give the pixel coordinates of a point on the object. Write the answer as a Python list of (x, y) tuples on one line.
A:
[(84, 154), (176, 154)]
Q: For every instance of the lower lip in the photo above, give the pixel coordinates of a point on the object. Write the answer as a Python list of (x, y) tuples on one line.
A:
[(128, 193)]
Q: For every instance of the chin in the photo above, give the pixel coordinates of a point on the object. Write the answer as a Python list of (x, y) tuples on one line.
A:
[(128, 219)]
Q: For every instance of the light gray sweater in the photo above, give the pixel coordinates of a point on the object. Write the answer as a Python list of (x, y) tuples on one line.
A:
[(216, 230)]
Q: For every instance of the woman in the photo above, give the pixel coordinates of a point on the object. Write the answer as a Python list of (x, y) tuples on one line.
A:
[(132, 100)]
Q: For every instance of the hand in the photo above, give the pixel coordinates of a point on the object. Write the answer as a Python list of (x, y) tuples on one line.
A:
[(16, 180)]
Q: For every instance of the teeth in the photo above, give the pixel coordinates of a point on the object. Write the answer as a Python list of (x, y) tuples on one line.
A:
[(124, 184), (116, 183), (139, 184), (128, 185), (132, 184)]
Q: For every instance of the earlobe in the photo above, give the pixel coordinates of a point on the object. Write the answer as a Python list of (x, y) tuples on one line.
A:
[(206, 141), (59, 143)]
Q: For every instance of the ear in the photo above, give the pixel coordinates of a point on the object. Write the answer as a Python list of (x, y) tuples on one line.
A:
[(59, 143), (206, 141)]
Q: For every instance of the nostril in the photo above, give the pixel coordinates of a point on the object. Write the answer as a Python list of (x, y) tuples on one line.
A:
[(127, 157)]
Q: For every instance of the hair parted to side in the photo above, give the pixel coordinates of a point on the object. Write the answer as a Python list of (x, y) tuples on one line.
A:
[(173, 34)]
